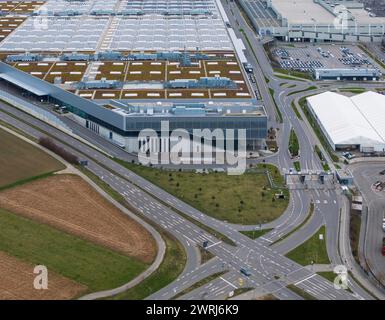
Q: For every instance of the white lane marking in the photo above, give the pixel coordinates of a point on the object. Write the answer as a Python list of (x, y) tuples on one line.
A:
[(189, 239), (214, 244), (228, 282), (304, 279)]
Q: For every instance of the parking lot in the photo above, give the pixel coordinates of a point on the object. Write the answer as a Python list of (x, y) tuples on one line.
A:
[(307, 57)]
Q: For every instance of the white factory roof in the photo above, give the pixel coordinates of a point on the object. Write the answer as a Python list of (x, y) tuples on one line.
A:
[(302, 11), (372, 107), (357, 120), (310, 12)]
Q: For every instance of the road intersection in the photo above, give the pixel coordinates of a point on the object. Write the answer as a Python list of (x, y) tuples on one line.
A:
[(271, 271)]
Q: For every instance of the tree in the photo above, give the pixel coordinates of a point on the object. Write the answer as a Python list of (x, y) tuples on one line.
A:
[(66, 155)]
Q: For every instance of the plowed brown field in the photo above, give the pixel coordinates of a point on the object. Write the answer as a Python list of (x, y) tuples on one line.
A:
[(68, 203), (16, 282)]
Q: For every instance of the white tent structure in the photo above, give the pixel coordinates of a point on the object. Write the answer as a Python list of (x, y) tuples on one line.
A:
[(351, 122)]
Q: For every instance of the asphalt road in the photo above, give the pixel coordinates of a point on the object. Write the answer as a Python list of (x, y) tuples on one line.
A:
[(265, 264), (270, 270), (365, 176)]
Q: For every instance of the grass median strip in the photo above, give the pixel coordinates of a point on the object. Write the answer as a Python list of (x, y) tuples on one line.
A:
[(279, 113), (254, 234), (313, 251), (199, 284), (355, 229), (304, 90), (370, 54), (293, 144), (302, 293), (294, 74), (331, 276), (352, 90), (205, 255), (296, 110), (285, 77)]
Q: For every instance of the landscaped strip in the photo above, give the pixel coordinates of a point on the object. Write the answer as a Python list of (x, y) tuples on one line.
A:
[(206, 255), (279, 113), (293, 144), (199, 284), (363, 48), (304, 90), (293, 73), (254, 234), (296, 110), (302, 293), (285, 77), (313, 251)]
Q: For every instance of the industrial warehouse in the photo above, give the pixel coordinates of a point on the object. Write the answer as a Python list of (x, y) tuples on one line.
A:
[(314, 20), (352, 123), (124, 67)]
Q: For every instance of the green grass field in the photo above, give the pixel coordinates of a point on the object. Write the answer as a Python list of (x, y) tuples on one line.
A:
[(94, 266), (313, 249), (244, 199), (21, 161)]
